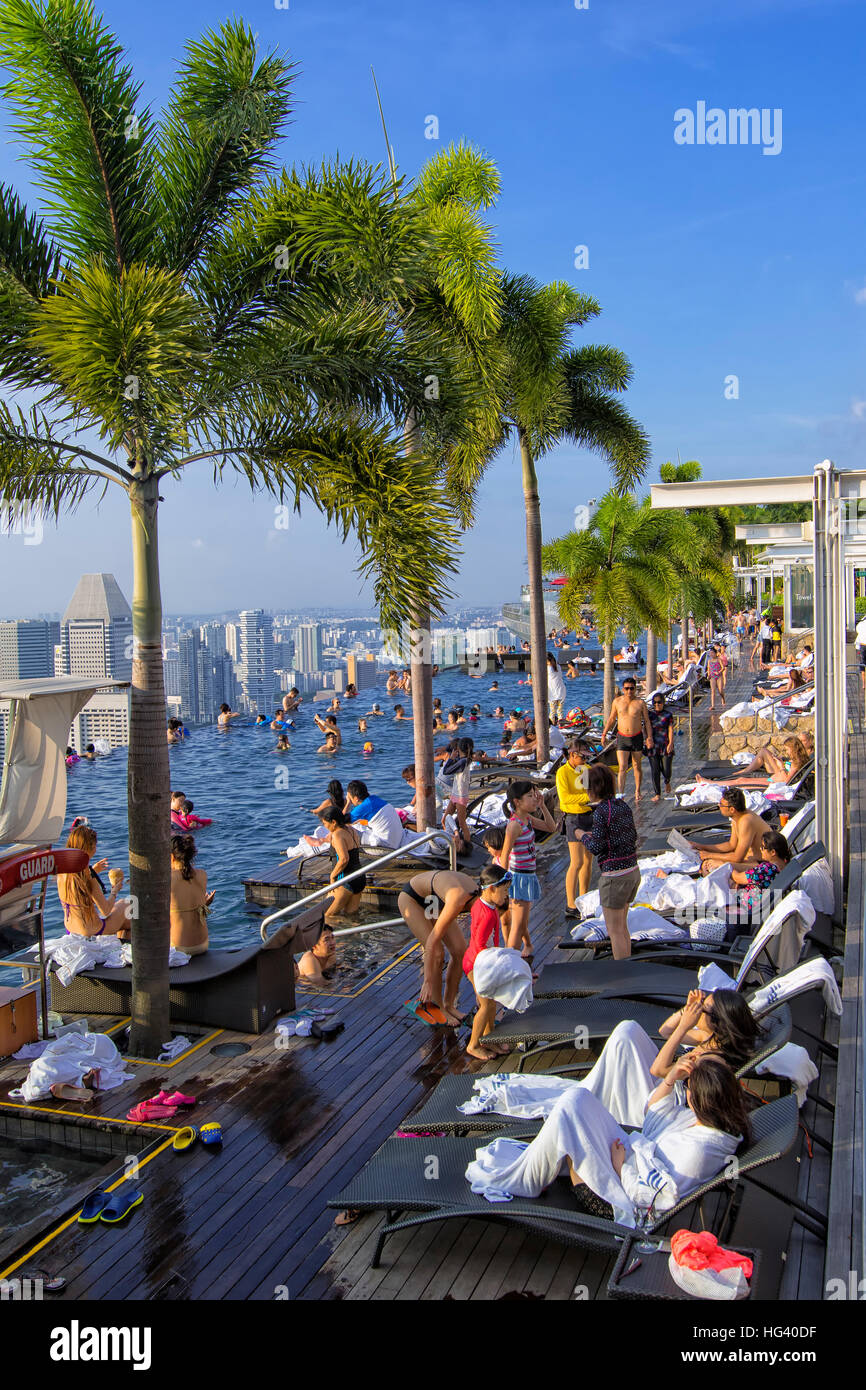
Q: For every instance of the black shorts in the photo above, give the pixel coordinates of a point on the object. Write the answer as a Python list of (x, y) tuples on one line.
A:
[(862, 651), (575, 826), (632, 743)]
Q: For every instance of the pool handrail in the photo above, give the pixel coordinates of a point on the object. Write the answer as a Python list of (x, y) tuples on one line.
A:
[(380, 859)]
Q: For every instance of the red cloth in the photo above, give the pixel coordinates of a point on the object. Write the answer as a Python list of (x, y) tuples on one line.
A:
[(484, 922), (701, 1250)]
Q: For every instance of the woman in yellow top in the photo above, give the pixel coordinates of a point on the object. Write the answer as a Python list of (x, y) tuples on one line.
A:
[(574, 802)]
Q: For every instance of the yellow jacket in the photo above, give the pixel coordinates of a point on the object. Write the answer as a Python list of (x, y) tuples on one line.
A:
[(571, 789)]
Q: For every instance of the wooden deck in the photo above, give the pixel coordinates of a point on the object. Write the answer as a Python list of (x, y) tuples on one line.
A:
[(249, 1221)]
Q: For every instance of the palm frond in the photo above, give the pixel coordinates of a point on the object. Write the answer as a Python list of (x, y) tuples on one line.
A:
[(75, 108), (217, 141), (43, 470)]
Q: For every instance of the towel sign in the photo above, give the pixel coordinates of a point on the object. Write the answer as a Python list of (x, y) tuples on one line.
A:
[(29, 868)]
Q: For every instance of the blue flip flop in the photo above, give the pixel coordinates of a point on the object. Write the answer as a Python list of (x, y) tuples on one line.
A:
[(121, 1204), (430, 1014), (94, 1203)]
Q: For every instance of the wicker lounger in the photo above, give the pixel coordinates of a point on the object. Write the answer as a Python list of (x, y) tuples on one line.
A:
[(440, 1112), (399, 1179)]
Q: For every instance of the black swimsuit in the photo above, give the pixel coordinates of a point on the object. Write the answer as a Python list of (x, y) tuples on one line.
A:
[(358, 884)]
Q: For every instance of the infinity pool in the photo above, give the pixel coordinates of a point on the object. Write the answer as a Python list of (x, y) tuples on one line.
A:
[(259, 799)]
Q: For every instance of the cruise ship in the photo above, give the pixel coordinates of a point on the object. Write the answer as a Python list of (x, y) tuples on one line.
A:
[(515, 616)]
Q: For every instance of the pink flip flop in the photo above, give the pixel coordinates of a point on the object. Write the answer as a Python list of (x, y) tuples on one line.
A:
[(177, 1099), (148, 1110)]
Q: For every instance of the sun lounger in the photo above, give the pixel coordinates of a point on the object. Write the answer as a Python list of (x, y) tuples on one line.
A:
[(243, 989), (439, 1111), (670, 969), (395, 1181)]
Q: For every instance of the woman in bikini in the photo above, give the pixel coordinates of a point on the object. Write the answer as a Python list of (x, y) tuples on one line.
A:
[(430, 905), (346, 845), (528, 813), (190, 900), (86, 910)]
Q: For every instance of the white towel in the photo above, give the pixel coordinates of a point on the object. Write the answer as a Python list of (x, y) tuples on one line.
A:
[(173, 1048), (67, 1059), (794, 1063), (502, 974), (811, 974), (643, 925), (817, 883), (522, 1095)]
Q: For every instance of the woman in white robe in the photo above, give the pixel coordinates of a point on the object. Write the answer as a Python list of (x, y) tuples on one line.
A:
[(689, 1134), (631, 1065)]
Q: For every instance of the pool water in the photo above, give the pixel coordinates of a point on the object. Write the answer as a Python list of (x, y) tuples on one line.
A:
[(259, 799), (34, 1176)]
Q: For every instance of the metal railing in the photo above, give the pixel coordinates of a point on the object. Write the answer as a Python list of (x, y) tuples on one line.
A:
[(365, 868)]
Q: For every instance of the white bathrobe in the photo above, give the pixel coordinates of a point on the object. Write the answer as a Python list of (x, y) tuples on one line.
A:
[(672, 1155)]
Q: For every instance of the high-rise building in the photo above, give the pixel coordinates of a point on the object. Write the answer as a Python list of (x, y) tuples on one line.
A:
[(27, 648), (214, 637), (96, 631), (171, 674), (104, 716), (256, 663), (308, 647), (361, 670), (233, 642)]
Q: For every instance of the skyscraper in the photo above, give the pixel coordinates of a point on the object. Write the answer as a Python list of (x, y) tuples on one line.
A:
[(308, 647), (256, 664), (96, 631), (27, 648)]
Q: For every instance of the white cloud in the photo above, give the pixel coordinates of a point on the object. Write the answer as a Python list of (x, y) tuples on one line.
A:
[(860, 295), (198, 544)]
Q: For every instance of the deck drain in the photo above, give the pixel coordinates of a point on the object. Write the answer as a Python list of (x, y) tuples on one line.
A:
[(230, 1049)]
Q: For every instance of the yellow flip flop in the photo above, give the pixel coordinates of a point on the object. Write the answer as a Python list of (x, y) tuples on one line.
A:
[(184, 1138)]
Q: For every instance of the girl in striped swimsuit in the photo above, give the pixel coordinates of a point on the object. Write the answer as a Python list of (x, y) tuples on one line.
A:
[(528, 813)]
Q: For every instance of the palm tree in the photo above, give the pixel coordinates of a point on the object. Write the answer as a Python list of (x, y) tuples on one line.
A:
[(623, 563), (704, 569), (452, 305), (178, 304), (553, 394)]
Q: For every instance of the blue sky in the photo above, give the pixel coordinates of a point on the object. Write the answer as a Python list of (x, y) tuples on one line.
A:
[(709, 261)]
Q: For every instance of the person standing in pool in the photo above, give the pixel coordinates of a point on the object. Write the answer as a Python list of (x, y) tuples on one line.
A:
[(430, 905), (346, 844), (633, 732), (226, 715)]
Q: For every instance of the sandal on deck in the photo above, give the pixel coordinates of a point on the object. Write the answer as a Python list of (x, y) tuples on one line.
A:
[(62, 1090), (345, 1218), (93, 1205), (211, 1133), (121, 1204), (184, 1138), (148, 1112), (431, 1014), (178, 1099)]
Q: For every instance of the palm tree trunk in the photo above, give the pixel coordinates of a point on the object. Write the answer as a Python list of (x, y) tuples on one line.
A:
[(421, 670), (609, 674), (148, 796), (537, 630), (652, 659), (422, 715), (670, 643)]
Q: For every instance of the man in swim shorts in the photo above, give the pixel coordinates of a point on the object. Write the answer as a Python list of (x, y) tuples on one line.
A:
[(633, 733)]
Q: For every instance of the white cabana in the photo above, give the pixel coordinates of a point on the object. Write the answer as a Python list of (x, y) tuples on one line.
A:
[(33, 792)]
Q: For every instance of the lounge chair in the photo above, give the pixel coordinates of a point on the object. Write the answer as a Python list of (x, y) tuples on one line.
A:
[(395, 1181), (243, 989), (646, 978), (788, 878), (555, 1022), (439, 1111)]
